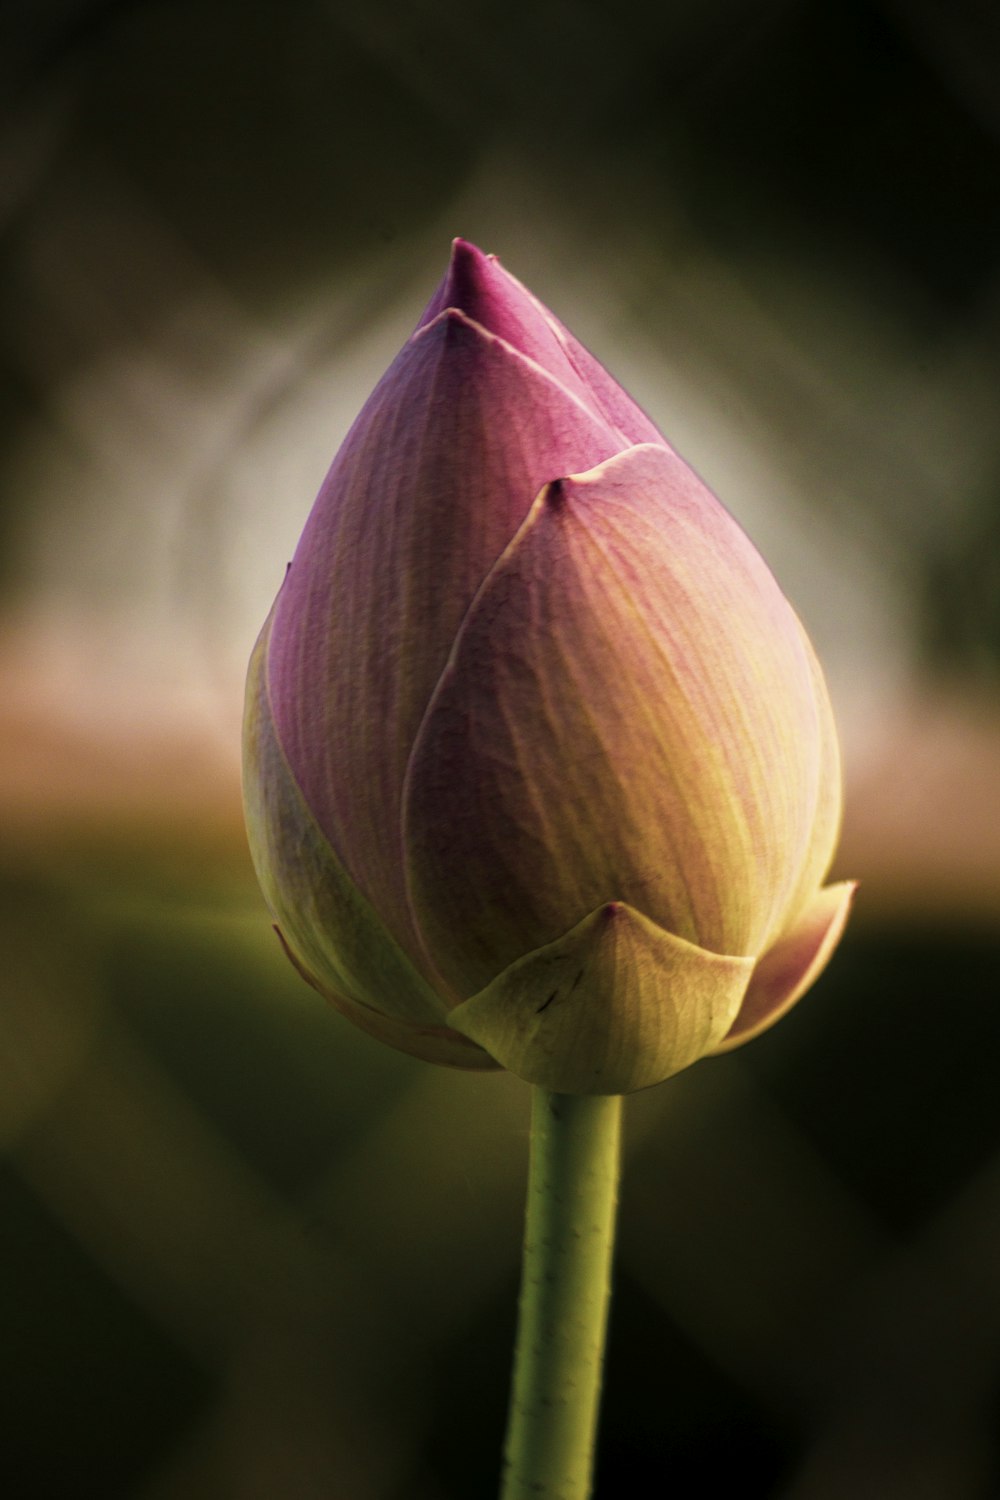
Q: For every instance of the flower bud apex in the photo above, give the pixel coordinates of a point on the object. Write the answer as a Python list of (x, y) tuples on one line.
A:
[(540, 767)]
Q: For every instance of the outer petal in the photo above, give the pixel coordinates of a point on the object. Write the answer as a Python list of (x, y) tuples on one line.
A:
[(629, 713), (479, 286), (434, 479), (328, 929), (437, 1044), (616, 1004), (793, 964), (827, 817)]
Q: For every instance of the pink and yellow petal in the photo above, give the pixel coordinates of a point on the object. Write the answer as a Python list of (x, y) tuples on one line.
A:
[(792, 964), (328, 928), (826, 821), (436, 476), (627, 714)]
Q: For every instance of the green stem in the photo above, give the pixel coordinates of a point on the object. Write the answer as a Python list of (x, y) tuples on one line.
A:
[(565, 1287)]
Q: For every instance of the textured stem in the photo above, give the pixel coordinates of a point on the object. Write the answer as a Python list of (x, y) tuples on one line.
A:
[(565, 1286)]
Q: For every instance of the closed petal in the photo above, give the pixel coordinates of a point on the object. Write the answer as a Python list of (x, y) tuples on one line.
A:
[(478, 286), (793, 964), (329, 930), (614, 1005), (436, 1044), (629, 713), (825, 827), (435, 478)]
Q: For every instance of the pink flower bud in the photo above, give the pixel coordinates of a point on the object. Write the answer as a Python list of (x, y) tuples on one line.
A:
[(540, 768)]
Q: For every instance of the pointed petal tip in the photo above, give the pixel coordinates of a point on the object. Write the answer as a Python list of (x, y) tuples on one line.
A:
[(469, 284), (555, 495), (648, 463), (792, 965), (465, 284), (453, 326), (461, 248), (638, 463), (614, 1005), (470, 256)]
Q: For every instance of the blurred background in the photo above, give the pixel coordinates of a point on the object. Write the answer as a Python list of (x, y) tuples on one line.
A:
[(248, 1253)]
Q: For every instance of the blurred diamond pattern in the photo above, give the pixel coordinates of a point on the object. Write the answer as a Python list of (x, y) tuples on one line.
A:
[(246, 1252)]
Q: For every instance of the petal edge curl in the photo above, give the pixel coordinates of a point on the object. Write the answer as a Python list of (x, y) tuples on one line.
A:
[(792, 964)]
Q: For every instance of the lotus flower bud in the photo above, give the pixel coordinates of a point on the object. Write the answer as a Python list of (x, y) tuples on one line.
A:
[(540, 768)]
